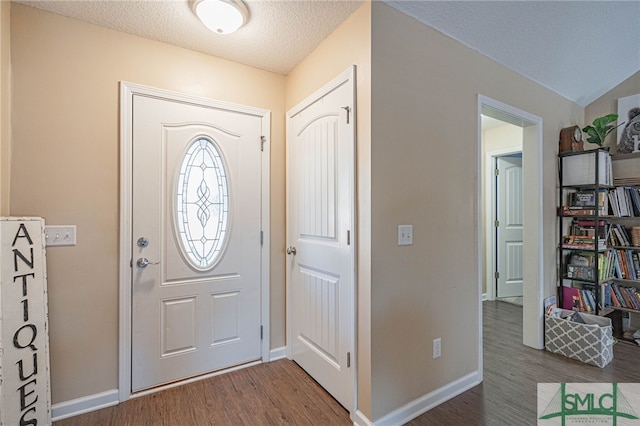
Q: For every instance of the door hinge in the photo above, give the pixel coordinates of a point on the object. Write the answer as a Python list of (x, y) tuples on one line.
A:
[(261, 332), (497, 172), (261, 238), (348, 359), (497, 223), (497, 275), (348, 109), (348, 237), (263, 139)]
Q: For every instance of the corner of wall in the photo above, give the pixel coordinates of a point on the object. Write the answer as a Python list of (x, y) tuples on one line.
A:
[(5, 106), (608, 103)]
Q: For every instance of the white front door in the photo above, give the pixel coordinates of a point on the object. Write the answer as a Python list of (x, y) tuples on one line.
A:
[(196, 239), (509, 230), (320, 226)]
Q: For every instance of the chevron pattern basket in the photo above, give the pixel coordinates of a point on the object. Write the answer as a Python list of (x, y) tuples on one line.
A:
[(591, 343)]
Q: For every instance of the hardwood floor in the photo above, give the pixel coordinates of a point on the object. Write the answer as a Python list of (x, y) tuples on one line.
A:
[(508, 395), (280, 393), (276, 393)]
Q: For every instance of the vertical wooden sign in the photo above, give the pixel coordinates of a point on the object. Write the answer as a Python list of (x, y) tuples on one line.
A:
[(25, 395)]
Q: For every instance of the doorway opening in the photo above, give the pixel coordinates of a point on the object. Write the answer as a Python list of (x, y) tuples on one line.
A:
[(516, 122), (502, 208)]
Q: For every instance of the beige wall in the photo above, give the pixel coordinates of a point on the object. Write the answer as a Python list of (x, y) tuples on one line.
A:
[(348, 45), (66, 168), (5, 105), (424, 166), (608, 104)]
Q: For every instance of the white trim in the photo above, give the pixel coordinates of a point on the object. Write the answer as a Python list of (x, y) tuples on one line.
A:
[(423, 404), (347, 76), (75, 407), (278, 353), (533, 329), (127, 91), (266, 242), (361, 420)]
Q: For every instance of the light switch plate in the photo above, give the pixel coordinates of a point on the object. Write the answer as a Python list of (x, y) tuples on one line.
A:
[(60, 235), (405, 235)]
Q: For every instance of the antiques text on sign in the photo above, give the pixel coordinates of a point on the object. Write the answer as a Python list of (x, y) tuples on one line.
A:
[(24, 339)]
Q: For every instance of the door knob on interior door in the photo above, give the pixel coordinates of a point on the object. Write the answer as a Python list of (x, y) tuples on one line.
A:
[(143, 262), (291, 250)]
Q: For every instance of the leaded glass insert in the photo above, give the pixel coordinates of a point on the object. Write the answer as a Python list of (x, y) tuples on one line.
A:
[(202, 204)]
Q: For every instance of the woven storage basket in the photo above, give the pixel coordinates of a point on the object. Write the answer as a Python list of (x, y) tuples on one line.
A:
[(635, 236)]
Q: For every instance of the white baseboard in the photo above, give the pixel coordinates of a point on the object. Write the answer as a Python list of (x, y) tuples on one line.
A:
[(485, 297), (84, 405), (361, 420), (278, 353), (423, 404), (110, 398), (397, 417)]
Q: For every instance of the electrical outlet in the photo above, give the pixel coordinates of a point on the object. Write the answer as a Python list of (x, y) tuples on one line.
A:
[(437, 348)]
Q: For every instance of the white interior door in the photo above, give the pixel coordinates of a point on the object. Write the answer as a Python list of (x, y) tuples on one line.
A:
[(509, 230), (320, 181), (196, 240)]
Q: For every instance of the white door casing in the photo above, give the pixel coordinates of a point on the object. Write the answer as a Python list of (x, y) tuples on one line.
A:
[(509, 230), (534, 268), (197, 306), (320, 236)]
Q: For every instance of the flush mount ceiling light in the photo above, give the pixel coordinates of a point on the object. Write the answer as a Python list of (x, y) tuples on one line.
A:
[(221, 16)]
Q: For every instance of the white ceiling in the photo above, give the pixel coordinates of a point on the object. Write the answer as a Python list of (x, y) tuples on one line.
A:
[(579, 49)]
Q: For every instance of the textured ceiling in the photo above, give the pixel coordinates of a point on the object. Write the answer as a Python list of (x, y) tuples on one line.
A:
[(579, 49), (278, 35)]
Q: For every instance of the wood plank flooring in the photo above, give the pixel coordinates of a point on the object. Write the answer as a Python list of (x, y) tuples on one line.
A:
[(280, 393), (275, 393), (508, 395)]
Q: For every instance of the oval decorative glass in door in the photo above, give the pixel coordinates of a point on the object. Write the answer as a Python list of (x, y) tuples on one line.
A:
[(202, 204)]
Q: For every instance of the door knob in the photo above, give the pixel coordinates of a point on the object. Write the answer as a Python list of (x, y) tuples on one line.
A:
[(291, 250), (143, 262)]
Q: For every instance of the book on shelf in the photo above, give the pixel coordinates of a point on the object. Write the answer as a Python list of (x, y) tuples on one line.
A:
[(619, 236), (632, 261), (624, 297), (589, 227), (626, 264), (582, 211), (580, 272), (635, 198), (623, 205), (580, 299), (635, 259), (625, 201), (587, 199), (583, 242), (581, 265), (605, 295)]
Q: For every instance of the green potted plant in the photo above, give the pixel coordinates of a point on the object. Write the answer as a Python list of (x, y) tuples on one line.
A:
[(600, 128)]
